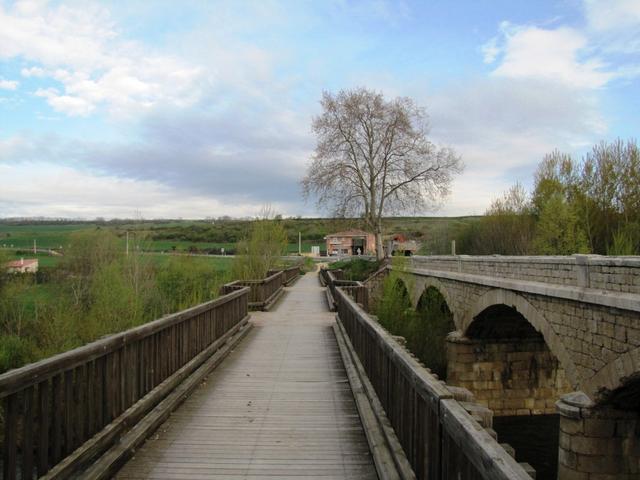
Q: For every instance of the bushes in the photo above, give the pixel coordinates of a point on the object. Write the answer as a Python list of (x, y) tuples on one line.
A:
[(184, 282), (96, 291), (15, 352), (424, 329), (357, 269), (262, 251)]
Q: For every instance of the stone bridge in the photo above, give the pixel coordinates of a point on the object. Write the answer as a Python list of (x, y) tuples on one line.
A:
[(532, 330)]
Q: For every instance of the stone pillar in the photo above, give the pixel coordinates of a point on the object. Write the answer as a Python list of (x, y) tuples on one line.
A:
[(509, 376), (597, 443)]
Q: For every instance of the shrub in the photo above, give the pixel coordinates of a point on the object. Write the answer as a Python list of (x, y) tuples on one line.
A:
[(15, 352), (357, 269), (262, 251)]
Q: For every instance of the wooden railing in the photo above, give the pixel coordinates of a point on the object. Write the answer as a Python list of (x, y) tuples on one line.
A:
[(333, 279), (263, 292), (288, 274), (54, 406), (438, 436)]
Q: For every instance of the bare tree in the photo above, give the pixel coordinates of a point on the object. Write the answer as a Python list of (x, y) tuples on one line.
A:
[(373, 158)]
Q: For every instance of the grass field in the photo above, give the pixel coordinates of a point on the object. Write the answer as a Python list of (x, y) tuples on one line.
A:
[(44, 260), (221, 264), (46, 236), (435, 233)]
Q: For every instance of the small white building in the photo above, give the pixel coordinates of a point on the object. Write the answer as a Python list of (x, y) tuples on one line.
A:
[(24, 265)]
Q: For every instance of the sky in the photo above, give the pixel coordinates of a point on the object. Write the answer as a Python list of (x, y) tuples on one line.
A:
[(193, 109)]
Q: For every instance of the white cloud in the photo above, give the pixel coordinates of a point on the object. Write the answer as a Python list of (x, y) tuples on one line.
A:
[(81, 48), (551, 54), (63, 191), (612, 14), (614, 27), (490, 50), (32, 72), (503, 127), (8, 84)]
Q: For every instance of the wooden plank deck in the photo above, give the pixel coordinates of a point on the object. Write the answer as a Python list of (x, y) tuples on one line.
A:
[(280, 406)]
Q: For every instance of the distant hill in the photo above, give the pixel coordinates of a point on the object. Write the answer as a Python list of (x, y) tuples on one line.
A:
[(434, 233)]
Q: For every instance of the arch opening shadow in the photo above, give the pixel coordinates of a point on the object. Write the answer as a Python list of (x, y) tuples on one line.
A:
[(500, 322), (627, 396), (520, 379), (394, 306), (433, 322)]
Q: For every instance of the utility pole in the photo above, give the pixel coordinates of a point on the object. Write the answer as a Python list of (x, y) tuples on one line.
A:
[(453, 247), (299, 243), (35, 249), (127, 248)]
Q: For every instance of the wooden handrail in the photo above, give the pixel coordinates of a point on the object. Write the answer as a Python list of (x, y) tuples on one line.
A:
[(55, 405), (264, 290), (332, 281), (28, 375), (439, 437)]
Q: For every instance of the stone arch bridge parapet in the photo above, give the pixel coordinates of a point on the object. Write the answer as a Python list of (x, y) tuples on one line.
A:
[(594, 333)]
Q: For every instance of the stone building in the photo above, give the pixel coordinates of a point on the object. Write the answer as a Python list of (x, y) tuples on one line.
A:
[(351, 242), (28, 265)]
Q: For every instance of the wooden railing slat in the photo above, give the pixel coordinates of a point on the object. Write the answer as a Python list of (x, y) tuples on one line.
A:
[(58, 414), (10, 462), (44, 414), (28, 417)]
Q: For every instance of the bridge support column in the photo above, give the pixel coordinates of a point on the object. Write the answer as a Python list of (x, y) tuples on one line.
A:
[(597, 442), (510, 376)]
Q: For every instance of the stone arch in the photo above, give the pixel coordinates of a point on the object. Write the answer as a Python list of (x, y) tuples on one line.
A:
[(434, 320), (403, 283), (614, 376), (421, 283), (511, 299)]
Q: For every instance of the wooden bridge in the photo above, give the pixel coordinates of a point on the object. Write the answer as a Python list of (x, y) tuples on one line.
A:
[(213, 392), (279, 406)]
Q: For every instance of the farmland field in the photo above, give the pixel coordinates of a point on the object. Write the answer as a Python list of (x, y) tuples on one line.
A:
[(434, 233)]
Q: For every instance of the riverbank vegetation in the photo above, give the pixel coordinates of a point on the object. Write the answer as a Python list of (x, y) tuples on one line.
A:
[(424, 328), (261, 251), (356, 269), (586, 206), (96, 290)]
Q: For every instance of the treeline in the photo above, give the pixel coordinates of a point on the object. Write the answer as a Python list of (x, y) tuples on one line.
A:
[(233, 231), (95, 291), (591, 205)]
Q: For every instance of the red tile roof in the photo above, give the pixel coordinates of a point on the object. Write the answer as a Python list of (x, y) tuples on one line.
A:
[(21, 263)]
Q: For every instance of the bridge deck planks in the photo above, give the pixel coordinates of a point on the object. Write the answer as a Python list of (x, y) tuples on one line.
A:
[(280, 406)]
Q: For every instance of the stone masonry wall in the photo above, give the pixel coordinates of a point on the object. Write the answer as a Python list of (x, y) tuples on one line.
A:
[(593, 335), (618, 274), (597, 443), (511, 377)]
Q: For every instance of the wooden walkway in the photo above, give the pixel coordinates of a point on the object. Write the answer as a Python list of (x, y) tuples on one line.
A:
[(280, 406)]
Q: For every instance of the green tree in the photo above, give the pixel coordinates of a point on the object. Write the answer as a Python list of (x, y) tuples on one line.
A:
[(88, 252), (262, 251), (507, 227), (610, 182), (558, 231)]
